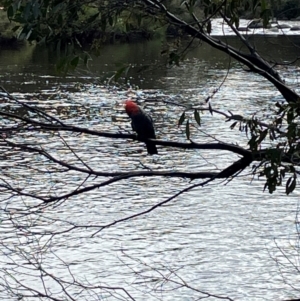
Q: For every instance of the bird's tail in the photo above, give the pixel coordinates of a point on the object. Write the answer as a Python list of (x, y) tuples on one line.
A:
[(151, 148)]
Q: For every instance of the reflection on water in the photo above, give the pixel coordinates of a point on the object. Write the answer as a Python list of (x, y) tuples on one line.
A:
[(219, 238)]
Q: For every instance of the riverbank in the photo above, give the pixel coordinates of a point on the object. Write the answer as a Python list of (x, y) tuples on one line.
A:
[(8, 38)]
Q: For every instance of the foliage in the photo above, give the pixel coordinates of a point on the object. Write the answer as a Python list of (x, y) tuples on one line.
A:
[(68, 25), (61, 23), (289, 9)]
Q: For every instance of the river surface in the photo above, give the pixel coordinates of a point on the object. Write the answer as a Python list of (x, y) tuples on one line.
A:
[(224, 239)]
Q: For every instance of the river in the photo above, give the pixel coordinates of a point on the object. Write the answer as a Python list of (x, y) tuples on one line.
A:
[(224, 239)]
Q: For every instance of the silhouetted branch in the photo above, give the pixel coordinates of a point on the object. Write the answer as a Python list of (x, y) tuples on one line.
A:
[(253, 62), (164, 275), (236, 167)]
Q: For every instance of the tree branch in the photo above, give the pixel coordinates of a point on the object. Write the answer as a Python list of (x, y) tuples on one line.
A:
[(254, 63)]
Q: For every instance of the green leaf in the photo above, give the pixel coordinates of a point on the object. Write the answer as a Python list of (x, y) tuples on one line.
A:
[(127, 70), (262, 136), (28, 34), (110, 20), (103, 23), (290, 185), (36, 10), (143, 68), (58, 7), (197, 116), (10, 12), (74, 62), (27, 11), (233, 125), (127, 27), (92, 18), (208, 27), (58, 46), (174, 58), (60, 19), (61, 64), (210, 108), (119, 73), (139, 19), (181, 119), (187, 130), (265, 186), (86, 59), (206, 11), (237, 22), (16, 28)]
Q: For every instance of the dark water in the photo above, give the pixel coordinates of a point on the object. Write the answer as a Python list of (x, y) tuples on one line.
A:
[(221, 239)]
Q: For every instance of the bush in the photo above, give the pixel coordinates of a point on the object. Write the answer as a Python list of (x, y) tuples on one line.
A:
[(290, 9)]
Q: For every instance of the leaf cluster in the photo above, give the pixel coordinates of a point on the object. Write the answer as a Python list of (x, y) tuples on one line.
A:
[(277, 147)]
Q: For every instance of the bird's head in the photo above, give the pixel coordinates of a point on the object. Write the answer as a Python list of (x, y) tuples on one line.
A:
[(131, 108)]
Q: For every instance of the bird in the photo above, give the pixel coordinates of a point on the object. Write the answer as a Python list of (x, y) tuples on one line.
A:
[(142, 124)]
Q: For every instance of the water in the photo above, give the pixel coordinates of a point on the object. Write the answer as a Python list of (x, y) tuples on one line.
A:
[(222, 239), (220, 28)]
